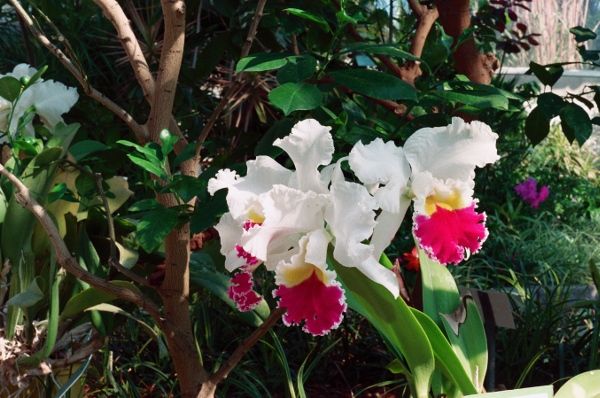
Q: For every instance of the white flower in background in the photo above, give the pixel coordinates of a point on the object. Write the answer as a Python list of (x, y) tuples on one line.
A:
[(51, 100), (436, 169), (286, 219)]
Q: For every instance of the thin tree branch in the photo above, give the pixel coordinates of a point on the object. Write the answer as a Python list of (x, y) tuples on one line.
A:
[(233, 85), (64, 257), (114, 13), (138, 130), (210, 386)]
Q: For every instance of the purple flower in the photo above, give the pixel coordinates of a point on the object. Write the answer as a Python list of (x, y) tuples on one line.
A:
[(528, 191)]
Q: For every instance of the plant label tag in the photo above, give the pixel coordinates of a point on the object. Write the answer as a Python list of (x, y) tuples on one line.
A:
[(531, 392)]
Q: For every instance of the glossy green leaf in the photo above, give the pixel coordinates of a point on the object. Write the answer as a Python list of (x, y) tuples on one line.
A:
[(261, 62), (550, 104), (28, 297), (309, 16), (10, 88), (584, 385), (89, 298), (290, 97), (444, 354), (466, 333), (537, 125), (394, 320), (474, 99), (83, 149), (582, 34), (154, 227), (297, 69), (168, 141), (575, 123), (547, 74), (380, 49), (440, 293), (148, 166), (375, 84)]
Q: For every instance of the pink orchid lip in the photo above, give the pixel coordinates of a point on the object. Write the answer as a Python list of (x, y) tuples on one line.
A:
[(241, 291), (321, 307), (249, 258), (449, 235)]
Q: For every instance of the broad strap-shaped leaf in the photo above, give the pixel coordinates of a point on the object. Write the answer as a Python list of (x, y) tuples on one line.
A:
[(451, 365), (440, 293), (466, 333), (394, 320)]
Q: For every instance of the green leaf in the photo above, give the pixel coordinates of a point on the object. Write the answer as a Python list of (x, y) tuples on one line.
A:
[(375, 84), (206, 215), (440, 293), (291, 97), (27, 298), (28, 145), (547, 74), (582, 34), (89, 298), (380, 49), (10, 88), (168, 141), (150, 167), (583, 385), (297, 69), (550, 104), (144, 205), (68, 385), (575, 123), (154, 227), (151, 151), (187, 187), (466, 333), (37, 75), (537, 125), (394, 320), (60, 191), (477, 100), (82, 149), (261, 62), (444, 354), (319, 20)]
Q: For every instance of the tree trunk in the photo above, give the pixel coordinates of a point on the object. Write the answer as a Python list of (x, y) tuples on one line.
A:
[(455, 17)]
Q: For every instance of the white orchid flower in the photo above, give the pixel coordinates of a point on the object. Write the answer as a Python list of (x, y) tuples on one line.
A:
[(436, 169), (286, 219), (51, 100)]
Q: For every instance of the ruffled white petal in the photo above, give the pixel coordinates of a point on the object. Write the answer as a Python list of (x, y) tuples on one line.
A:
[(287, 212), (310, 145), (351, 219), (230, 233), (381, 163), (22, 70), (224, 178), (312, 253), (453, 151)]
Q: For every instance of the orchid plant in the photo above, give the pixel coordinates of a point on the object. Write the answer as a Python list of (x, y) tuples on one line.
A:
[(324, 236)]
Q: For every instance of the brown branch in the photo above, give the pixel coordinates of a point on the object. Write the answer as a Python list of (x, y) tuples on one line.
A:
[(114, 13), (209, 387), (233, 84), (64, 257), (426, 18), (138, 130), (258, 14)]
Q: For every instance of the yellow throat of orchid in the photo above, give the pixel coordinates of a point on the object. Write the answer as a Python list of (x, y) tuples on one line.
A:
[(255, 217), (449, 201), (297, 274)]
